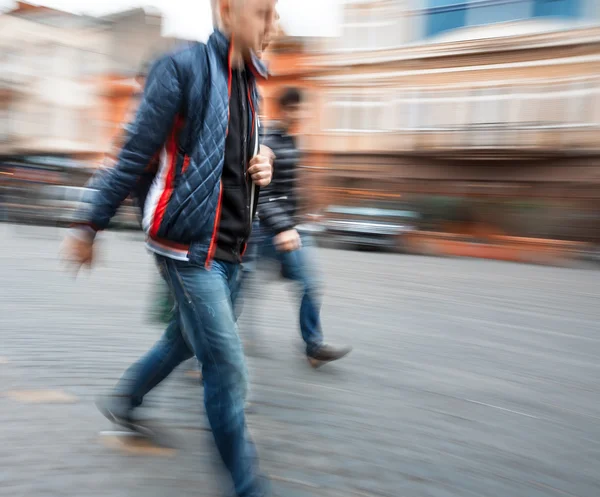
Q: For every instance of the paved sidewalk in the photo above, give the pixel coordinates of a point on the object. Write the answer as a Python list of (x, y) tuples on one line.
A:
[(468, 378)]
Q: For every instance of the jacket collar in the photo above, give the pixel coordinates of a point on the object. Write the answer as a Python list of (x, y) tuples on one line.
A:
[(223, 45)]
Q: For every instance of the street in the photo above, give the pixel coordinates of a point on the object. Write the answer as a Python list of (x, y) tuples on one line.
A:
[(468, 378)]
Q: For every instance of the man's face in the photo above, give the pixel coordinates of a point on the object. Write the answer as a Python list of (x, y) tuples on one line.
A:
[(270, 33), (250, 22), (291, 116)]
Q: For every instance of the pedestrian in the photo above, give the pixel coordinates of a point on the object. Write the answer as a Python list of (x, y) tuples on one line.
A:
[(278, 236), (198, 116)]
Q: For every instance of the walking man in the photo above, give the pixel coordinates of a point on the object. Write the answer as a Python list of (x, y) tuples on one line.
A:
[(198, 116), (278, 237)]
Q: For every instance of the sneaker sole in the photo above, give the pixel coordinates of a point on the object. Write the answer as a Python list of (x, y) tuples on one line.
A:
[(129, 425)]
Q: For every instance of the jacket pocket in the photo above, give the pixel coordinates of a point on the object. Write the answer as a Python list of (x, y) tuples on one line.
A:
[(182, 164), (186, 164)]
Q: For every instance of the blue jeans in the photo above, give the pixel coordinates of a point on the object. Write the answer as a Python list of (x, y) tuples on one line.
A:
[(204, 325), (299, 266)]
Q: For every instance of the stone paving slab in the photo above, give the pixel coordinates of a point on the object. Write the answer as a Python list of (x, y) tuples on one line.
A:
[(468, 378)]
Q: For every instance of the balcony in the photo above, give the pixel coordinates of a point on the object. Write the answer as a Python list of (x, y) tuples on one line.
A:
[(496, 123), (506, 140), (492, 141)]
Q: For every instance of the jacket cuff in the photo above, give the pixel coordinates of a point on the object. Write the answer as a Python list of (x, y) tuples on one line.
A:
[(281, 227)]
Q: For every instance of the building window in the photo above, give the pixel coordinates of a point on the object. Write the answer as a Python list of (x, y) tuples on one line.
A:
[(595, 103), (414, 109), (485, 12), (588, 96), (547, 111), (372, 28), (558, 8), (357, 116), (14, 66), (399, 112), (580, 97), (437, 112), (358, 113), (426, 107), (389, 111), (487, 107), (446, 15), (4, 124), (529, 104), (375, 110), (336, 115), (524, 106)]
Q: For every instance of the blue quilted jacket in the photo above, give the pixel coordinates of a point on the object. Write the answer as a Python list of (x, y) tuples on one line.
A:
[(172, 157)]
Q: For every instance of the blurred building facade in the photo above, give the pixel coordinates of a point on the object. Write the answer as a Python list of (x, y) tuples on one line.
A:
[(66, 80), (486, 100), (483, 99), (48, 105), (288, 60)]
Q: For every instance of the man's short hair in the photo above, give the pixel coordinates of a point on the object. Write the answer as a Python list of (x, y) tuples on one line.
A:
[(216, 15), (289, 97)]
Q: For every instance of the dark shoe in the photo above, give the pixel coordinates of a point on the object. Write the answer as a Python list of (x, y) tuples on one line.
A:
[(118, 409), (325, 354)]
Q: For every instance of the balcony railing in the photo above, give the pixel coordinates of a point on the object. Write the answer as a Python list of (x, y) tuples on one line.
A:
[(542, 118)]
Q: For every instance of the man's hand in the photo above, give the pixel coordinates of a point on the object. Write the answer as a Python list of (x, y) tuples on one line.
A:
[(267, 152), (261, 166), (287, 241), (77, 251)]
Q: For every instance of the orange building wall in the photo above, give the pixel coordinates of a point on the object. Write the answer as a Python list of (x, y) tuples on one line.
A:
[(116, 100), (288, 68)]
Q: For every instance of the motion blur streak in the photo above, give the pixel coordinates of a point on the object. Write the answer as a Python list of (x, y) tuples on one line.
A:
[(450, 176)]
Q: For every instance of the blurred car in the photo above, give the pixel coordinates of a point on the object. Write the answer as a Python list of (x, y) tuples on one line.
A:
[(61, 203), (312, 225), (378, 225), (46, 190)]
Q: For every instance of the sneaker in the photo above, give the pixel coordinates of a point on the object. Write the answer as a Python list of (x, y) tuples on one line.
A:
[(327, 353), (118, 410)]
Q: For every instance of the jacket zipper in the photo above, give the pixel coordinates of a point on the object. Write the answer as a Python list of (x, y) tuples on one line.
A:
[(244, 106), (253, 133), (213, 240)]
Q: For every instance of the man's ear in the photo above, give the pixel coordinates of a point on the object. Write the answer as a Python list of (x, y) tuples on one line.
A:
[(225, 10)]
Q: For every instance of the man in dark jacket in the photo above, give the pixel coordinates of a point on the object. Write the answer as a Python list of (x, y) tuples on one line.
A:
[(278, 237), (197, 117)]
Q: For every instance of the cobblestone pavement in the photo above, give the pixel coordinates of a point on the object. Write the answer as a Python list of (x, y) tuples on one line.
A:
[(468, 378)]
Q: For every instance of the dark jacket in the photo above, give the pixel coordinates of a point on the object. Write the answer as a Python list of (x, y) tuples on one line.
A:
[(278, 202), (182, 121), (235, 226)]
